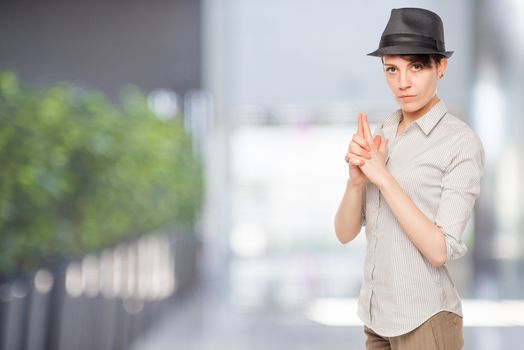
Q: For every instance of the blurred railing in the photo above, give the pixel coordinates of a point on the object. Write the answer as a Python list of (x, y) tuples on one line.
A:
[(101, 302)]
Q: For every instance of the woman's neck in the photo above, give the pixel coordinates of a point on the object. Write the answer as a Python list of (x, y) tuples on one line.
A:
[(410, 117)]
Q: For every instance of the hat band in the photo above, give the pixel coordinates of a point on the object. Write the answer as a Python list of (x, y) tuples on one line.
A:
[(412, 40)]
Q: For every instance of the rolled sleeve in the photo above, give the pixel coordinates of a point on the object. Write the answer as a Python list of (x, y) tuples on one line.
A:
[(460, 189)]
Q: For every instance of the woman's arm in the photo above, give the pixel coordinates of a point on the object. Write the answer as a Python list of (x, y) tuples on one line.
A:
[(441, 241), (349, 214), (425, 235)]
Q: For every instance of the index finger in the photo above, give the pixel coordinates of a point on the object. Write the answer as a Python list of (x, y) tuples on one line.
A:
[(367, 131), (360, 125)]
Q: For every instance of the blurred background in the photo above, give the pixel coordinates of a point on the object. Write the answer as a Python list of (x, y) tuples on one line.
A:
[(170, 170)]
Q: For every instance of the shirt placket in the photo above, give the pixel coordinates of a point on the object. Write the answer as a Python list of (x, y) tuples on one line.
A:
[(379, 199)]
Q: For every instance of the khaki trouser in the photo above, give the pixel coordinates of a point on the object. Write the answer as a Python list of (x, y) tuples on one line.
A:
[(443, 331)]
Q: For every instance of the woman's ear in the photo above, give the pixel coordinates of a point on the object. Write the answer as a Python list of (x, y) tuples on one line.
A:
[(441, 67)]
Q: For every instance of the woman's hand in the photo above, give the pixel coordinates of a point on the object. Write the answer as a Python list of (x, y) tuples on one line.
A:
[(373, 164), (358, 147)]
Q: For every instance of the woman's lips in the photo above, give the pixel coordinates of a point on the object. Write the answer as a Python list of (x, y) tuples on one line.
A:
[(406, 98)]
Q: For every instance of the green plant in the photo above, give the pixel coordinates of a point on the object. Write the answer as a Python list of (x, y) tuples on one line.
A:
[(78, 174)]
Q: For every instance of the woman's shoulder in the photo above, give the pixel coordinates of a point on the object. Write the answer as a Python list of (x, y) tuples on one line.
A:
[(461, 136), (457, 127)]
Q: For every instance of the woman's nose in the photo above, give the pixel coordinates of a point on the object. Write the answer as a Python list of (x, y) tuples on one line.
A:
[(404, 80)]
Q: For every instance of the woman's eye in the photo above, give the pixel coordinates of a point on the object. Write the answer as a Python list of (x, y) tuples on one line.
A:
[(391, 69), (417, 66)]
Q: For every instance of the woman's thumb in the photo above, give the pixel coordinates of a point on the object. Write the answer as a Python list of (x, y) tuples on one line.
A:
[(377, 140), (383, 145)]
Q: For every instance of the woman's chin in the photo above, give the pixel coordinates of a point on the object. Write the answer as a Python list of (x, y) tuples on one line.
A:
[(409, 107)]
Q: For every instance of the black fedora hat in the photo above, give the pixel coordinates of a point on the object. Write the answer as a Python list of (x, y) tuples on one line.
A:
[(412, 31)]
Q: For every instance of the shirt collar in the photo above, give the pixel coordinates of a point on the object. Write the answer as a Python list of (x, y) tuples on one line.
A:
[(427, 122)]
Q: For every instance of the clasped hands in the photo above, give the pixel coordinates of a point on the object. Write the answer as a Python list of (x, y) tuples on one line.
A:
[(366, 155)]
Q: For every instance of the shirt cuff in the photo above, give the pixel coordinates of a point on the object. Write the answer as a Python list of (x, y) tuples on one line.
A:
[(454, 249)]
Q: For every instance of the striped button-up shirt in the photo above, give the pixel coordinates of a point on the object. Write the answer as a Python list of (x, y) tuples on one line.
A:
[(438, 161)]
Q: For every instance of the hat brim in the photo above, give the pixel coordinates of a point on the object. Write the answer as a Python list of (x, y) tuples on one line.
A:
[(407, 50)]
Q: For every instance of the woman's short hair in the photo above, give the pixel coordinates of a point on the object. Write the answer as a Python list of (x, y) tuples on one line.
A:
[(427, 60)]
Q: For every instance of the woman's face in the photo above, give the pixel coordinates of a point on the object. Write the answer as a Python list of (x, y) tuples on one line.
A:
[(413, 84)]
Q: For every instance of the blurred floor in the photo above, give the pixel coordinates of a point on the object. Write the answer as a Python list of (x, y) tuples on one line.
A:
[(208, 318)]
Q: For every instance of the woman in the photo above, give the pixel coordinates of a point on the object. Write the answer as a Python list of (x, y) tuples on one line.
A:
[(413, 185)]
